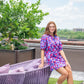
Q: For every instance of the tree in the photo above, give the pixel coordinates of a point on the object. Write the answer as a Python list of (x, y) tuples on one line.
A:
[(1, 2), (20, 19)]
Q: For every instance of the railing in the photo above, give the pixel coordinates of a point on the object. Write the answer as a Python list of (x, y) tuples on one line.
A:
[(80, 43)]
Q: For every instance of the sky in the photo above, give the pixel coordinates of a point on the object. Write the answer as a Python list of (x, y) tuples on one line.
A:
[(67, 14)]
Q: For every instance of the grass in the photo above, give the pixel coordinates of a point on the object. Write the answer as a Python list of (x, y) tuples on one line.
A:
[(54, 80)]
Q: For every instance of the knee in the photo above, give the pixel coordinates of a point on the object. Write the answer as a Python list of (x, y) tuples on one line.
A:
[(69, 72), (66, 74)]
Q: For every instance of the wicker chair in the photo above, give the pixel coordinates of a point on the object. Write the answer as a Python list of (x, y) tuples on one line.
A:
[(16, 78), (31, 74)]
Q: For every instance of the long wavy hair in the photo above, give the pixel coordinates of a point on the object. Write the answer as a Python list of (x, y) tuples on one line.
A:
[(47, 28)]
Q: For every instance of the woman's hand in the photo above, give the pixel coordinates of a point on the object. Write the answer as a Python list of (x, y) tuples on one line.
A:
[(41, 65), (68, 65)]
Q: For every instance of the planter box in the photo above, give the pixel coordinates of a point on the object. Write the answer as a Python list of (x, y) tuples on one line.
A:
[(15, 56), (7, 56), (24, 55)]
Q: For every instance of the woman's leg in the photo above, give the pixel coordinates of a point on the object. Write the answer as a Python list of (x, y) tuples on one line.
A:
[(70, 77), (64, 75)]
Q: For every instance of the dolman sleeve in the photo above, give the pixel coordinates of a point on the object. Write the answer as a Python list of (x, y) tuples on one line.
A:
[(43, 42), (60, 45)]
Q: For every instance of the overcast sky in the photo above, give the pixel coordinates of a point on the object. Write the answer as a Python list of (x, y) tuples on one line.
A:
[(67, 14)]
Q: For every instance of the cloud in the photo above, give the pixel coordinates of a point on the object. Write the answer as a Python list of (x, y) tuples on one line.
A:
[(67, 16), (77, 0)]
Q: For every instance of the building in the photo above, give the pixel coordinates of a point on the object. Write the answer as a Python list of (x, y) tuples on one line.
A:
[(78, 29)]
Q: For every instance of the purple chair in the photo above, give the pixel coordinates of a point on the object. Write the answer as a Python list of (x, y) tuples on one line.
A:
[(31, 74), (36, 75), (16, 78)]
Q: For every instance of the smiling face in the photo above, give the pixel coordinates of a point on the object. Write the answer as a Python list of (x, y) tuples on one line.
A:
[(52, 28)]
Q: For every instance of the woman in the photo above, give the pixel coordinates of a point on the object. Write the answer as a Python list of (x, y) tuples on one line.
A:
[(51, 48)]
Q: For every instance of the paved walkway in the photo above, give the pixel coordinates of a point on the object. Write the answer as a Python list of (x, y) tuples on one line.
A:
[(77, 75)]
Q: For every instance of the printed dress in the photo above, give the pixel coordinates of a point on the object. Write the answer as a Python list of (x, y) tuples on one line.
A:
[(51, 46)]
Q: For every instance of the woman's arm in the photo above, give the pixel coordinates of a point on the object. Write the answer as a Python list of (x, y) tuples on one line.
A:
[(42, 59), (42, 48), (63, 55)]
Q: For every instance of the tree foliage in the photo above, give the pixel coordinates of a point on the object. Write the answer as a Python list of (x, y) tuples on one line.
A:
[(70, 34), (20, 19), (65, 33), (1, 2)]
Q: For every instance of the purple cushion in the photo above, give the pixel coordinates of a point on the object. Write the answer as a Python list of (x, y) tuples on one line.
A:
[(35, 64), (4, 68), (40, 61), (19, 69)]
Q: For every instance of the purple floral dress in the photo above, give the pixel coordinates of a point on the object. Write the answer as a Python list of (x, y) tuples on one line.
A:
[(51, 46)]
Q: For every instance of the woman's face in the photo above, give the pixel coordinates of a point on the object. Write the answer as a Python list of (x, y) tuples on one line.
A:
[(52, 28)]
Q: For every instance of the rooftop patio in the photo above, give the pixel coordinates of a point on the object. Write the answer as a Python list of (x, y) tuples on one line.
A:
[(74, 51)]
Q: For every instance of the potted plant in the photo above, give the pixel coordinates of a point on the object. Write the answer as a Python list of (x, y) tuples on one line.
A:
[(20, 19)]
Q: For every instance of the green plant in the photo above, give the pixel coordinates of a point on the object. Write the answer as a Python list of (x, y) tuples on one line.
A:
[(13, 45), (19, 44), (20, 19), (54, 80)]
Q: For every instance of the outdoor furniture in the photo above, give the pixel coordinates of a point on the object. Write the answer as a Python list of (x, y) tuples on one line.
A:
[(14, 78), (31, 74)]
